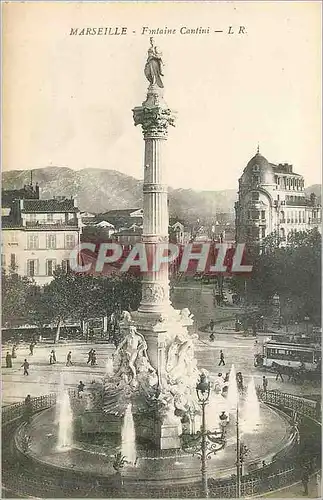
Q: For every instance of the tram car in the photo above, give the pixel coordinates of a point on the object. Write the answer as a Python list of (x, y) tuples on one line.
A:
[(290, 355)]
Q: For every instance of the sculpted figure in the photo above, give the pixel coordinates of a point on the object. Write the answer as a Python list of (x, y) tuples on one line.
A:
[(126, 317), (153, 67), (186, 314), (131, 348)]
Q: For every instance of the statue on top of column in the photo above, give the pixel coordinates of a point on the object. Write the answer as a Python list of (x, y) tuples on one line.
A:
[(153, 67)]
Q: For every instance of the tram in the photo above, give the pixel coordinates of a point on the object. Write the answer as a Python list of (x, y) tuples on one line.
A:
[(290, 355)]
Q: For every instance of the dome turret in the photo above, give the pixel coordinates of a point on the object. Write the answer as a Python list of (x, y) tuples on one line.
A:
[(258, 170)]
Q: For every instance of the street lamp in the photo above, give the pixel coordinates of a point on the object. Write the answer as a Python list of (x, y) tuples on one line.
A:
[(206, 443), (242, 451)]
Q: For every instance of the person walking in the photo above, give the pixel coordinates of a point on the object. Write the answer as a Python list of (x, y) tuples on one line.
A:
[(93, 359), (51, 361), (305, 480), (13, 351), (8, 360), (80, 389), (90, 353), (69, 359), (54, 355), (264, 383), (26, 367), (31, 349), (222, 362)]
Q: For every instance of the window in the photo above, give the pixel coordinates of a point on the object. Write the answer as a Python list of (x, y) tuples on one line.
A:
[(32, 241), (255, 214), (255, 168), (3, 260), (50, 217), (69, 241), (51, 241), (13, 238), (50, 267), (263, 214), (65, 266), (13, 262), (263, 232), (255, 179), (32, 267), (255, 196)]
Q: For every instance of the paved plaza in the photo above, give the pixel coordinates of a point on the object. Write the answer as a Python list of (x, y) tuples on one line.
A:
[(43, 378)]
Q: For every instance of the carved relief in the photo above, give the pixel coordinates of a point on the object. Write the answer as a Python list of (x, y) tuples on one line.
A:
[(153, 293)]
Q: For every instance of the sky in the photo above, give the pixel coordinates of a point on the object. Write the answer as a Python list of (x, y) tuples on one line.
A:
[(68, 100)]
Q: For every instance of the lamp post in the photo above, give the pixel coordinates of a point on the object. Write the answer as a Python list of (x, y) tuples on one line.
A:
[(208, 442), (242, 450)]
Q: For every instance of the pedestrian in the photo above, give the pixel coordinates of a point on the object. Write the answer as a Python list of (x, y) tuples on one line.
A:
[(93, 360), (305, 480), (211, 326), (89, 360), (8, 360), (279, 373), (80, 389), (69, 359), (26, 367), (31, 349), (51, 361), (54, 355), (212, 337), (222, 362), (239, 381), (28, 408), (13, 351), (264, 383)]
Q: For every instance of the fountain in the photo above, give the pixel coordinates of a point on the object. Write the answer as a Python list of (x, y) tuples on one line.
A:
[(65, 423), (251, 410), (128, 436), (232, 397), (109, 367)]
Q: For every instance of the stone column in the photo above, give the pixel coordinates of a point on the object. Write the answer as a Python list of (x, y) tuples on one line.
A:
[(154, 116)]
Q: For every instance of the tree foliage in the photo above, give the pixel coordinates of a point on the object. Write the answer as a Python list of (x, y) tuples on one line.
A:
[(15, 293), (293, 272), (69, 296)]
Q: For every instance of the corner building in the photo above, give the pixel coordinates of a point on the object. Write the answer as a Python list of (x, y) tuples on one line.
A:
[(272, 198)]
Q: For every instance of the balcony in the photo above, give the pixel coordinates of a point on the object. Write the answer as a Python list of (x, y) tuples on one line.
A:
[(52, 225)]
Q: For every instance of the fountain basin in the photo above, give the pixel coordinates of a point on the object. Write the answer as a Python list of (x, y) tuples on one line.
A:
[(153, 466)]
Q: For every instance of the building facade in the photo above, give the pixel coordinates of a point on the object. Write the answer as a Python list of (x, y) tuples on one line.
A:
[(38, 235), (272, 198)]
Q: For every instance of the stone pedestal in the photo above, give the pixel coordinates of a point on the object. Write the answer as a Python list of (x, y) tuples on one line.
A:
[(169, 437)]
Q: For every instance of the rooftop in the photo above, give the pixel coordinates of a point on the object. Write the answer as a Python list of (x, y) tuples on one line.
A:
[(53, 205)]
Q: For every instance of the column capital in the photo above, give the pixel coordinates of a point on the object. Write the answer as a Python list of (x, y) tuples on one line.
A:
[(154, 115)]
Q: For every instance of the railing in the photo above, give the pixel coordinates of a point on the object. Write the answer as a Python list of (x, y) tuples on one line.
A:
[(306, 407), (17, 410)]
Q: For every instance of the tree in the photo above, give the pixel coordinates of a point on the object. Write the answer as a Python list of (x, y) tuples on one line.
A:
[(293, 272), (59, 298), (15, 292)]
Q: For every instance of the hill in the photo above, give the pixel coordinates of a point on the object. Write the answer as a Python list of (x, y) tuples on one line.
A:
[(100, 190)]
